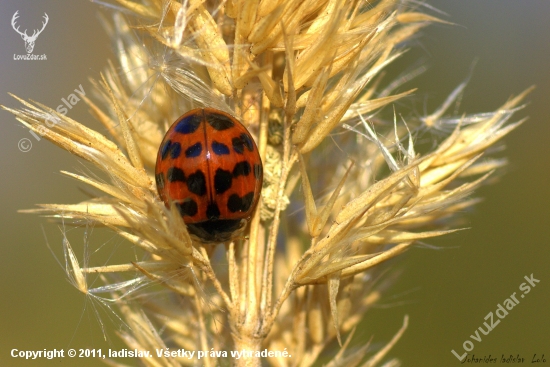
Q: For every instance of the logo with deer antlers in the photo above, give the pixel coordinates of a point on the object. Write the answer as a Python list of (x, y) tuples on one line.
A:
[(29, 40)]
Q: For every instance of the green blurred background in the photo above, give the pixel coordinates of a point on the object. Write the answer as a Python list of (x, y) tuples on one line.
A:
[(446, 292)]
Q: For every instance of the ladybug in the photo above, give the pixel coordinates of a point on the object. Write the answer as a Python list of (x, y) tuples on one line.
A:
[(209, 166)]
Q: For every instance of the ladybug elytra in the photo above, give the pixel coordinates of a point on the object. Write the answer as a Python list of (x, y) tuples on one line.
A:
[(209, 166)]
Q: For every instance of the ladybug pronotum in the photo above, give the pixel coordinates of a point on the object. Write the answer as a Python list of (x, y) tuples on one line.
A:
[(209, 166)]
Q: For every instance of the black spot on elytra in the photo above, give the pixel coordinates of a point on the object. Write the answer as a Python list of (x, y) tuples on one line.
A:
[(196, 183), (159, 178), (188, 207), (175, 174), (222, 180), (219, 148), (242, 204), (164, 149), (194, 150), (247, 201), (174, 148), (257, 170), (241, 169), (241, 142), (218, 121), (234, 203), (212, 211), (238, 145), (248, 142), (189, 124)]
